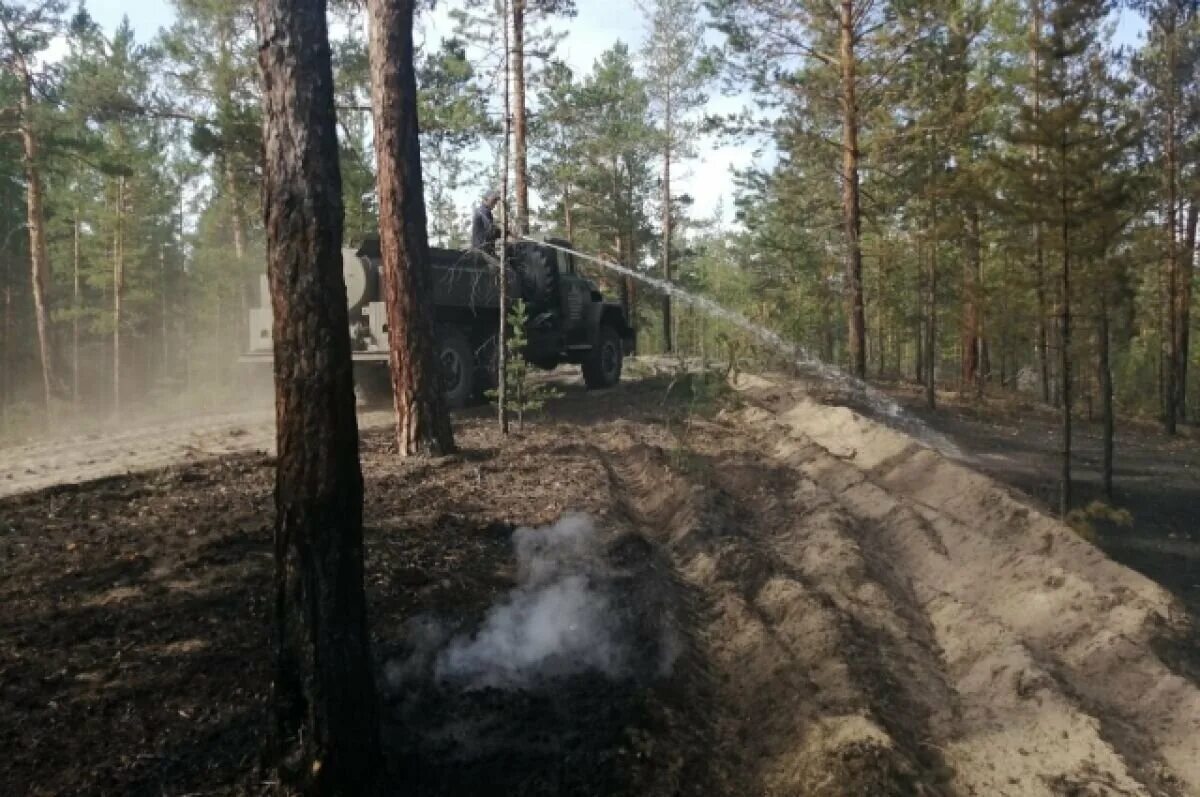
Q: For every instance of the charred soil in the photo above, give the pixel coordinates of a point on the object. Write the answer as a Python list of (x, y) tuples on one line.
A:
[(849, 613)]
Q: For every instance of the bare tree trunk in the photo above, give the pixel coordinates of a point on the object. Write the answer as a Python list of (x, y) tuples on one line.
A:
[(1171, 366), (1106, 393), (568, 220), (502, 275), (971, 299), (931, 347), (520, 128), (162, 295), (1064, 340), (118, 293), (668, 331), (850, 192), (325, 735), (35, 220), (422, 420), (1039, 262), (1184, 326), (76, 308)]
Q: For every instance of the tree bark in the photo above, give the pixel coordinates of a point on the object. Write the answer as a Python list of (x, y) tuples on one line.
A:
[(35, 221), (971, 301), (1184, 326), (422, 420), (520, 128), (1039, 261), (1171, 340), (325, 734), (118, 293), (1106, 394), (1064, 341), (852, 220), (931, 347), (568, 220), (668, 330), (76, 307), (502, 274)]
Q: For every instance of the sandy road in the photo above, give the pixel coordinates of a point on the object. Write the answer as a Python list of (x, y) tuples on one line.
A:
[(84, 457)]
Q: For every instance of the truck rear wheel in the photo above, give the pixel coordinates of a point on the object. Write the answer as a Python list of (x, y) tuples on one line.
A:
[(456, 358), (602, 365)]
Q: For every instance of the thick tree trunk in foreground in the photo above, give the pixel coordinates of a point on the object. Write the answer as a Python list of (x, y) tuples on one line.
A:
[(326, 736), (520, 127), (422, 421), (851, 214)]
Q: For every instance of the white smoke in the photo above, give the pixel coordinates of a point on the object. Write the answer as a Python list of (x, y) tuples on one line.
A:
[(557, 621), (585, 602)]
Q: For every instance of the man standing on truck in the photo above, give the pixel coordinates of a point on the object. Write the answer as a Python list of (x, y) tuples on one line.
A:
[(483, 227)]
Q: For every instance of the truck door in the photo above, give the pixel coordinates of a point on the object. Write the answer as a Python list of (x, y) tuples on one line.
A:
[(575, 295)]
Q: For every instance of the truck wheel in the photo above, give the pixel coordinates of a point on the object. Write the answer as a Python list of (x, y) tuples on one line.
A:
[(457, 361), (602, 365)]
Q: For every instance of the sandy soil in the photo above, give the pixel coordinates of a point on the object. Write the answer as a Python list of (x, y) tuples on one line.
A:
[(854, 614), (86, 457)]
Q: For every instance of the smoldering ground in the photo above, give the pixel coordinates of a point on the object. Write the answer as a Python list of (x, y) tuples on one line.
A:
[(585, 601), (561, 671)]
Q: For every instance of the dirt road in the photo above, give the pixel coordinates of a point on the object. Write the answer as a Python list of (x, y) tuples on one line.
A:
[(137, 449), (854, 614)]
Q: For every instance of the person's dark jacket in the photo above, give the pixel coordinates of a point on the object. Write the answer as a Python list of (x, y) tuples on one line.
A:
[(483, 228)]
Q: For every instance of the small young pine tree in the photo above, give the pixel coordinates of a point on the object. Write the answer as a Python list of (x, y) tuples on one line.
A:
[(521, 394)]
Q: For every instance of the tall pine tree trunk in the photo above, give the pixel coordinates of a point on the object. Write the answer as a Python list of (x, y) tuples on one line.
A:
[(931, 347), (35, 221), (1184, 325), (971, 302), (422, 420), (851, 213), (325, 735), (1039, 256), (1104, 368), (668, 330), (502, 397), (1171, 366), (568, 220), (76, 307), (520, 127), (118, 293), (1064, 336)]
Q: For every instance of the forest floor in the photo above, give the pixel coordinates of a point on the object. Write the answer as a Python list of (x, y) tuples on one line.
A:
[(779, 597)]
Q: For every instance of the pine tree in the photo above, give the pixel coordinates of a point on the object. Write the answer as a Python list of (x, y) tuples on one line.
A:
[(422, 420), (326, 734), (676, 73)]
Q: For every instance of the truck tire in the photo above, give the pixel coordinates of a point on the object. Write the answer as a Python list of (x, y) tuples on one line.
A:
[(602, 365), (456, 358)]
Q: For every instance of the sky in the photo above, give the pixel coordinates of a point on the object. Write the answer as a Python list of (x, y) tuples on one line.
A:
[(598, 25)]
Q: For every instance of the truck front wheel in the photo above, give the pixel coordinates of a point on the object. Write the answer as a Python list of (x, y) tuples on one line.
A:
[(457, 361), (602, 365)]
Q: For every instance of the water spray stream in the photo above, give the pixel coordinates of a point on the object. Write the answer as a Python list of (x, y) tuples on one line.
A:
[(801, 357)]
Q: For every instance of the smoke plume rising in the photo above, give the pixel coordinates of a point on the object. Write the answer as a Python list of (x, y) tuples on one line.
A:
[(572, 611)]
